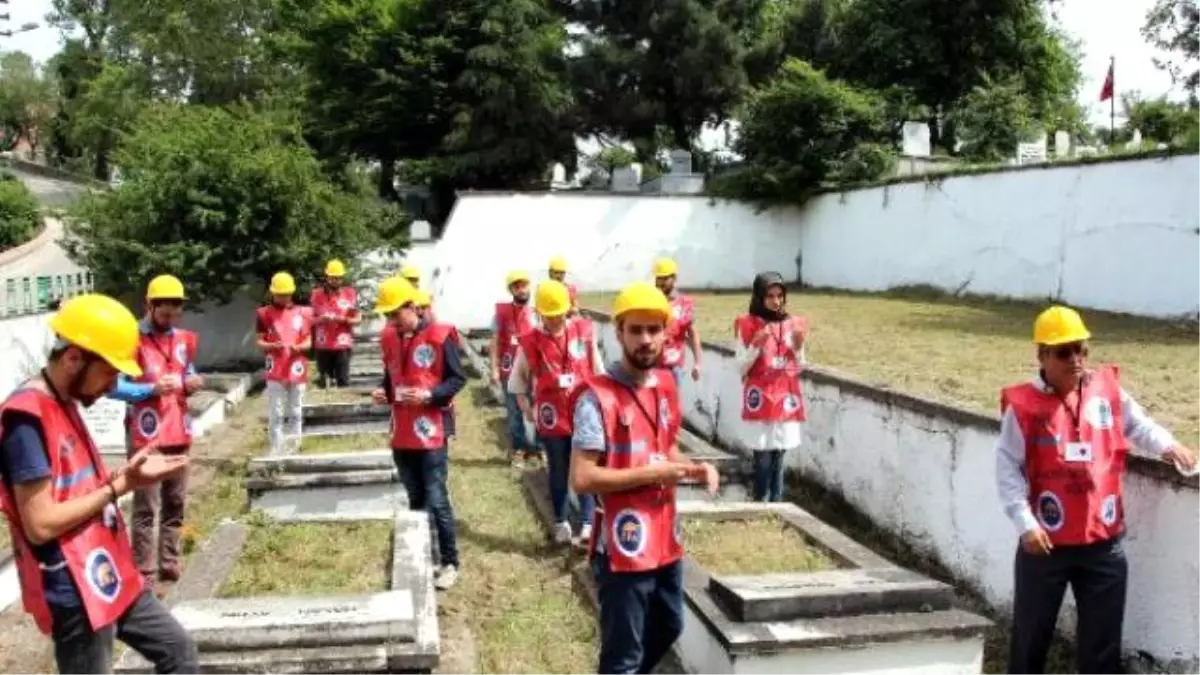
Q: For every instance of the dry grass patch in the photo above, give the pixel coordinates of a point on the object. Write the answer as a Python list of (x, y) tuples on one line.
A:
[(311, 445), (515, 594), (311, 559), (336, 395), (963, 350), (760, 545)]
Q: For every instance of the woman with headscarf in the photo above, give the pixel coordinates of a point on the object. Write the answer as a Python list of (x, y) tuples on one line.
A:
[(770, 354)]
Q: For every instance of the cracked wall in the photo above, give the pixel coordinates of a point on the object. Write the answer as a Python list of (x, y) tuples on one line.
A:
[(925, 471)]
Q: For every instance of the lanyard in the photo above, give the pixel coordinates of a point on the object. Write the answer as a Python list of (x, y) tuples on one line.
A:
[(654, 419), (564, 350), (77, 424), (170, 353), (1073, 413)]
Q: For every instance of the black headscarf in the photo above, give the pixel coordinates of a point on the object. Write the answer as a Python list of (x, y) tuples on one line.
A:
[(758, 297)]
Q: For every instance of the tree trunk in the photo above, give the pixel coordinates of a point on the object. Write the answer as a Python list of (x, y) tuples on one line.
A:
[(935, 133), (387, 179)]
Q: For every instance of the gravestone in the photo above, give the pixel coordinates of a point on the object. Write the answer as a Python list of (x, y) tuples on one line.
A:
[(1062, 144), (1135, 142), (105, 420), (625, 179), (681, 162), (420, 230), (915, 140)]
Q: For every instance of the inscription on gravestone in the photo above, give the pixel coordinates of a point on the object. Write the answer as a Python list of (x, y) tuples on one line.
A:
[(105, 420)]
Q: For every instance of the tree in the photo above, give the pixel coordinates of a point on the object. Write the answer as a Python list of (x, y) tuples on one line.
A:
[(803, 131), (19, 217), (992, 119), (1174, 26), (1159, 119), (221, 198), (26, 99), (605, 161)]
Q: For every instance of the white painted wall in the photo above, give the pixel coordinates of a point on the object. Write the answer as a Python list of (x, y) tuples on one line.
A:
[(1119, 236), (925, 472)]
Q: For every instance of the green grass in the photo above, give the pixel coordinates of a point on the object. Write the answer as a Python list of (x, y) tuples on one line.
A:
[(962, 351), (311, 559), (765, 545)]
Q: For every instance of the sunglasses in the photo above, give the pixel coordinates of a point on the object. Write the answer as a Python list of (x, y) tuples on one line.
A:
[(1065, 352)]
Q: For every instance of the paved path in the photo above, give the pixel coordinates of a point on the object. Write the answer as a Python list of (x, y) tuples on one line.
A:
[(49, 259)]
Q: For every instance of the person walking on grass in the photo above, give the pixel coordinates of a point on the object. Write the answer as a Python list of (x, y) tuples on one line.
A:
[(511, 321), (422, 373), (158, 416), (554, 361), (681, 332), (769, 356), (335, 310), (1060, 464), (285, 335), (626, 423), (79, 578), (558, 272)]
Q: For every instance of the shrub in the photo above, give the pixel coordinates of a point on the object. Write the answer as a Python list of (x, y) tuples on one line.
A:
[(19, 219)]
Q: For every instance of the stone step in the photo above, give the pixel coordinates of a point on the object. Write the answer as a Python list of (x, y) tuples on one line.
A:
[(371, 426), (294, 481), (784, 597), (367, 501), (345, 413), (368, 460)]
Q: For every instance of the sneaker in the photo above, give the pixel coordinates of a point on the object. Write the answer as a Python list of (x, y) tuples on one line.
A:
[(169, 573), (585, 533), (518, 462), (445, 577), (533, 460), (562, 533)]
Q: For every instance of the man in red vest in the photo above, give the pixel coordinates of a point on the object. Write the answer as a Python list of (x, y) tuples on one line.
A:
[(422, 372), (285, 336), (682, 329), (79, 579), (1060, 463), (625, 427), (158, 416), (558, 272), (511, 321), (335, 310), (553, 361)]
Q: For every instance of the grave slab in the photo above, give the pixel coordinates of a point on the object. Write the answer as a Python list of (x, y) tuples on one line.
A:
[(345, 413), (232, 624), (368, 460), (341, 485), (369, 426)]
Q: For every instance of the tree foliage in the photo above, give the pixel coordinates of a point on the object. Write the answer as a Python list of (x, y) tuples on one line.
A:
[(26, 99), (1159, 119), (19, 217), (1174, 26), (220, 198), (992, 119)]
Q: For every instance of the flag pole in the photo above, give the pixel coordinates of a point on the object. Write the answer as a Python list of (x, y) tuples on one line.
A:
[(1112, 101)]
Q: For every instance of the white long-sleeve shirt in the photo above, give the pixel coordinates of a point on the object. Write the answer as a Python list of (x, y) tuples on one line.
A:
[(518, 378), (1012, 485), (767, 435)]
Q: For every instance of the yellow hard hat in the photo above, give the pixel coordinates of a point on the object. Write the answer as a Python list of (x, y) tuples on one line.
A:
[(282, 284), (411, 272), (665, 267), (552, 299), (165, 287), (643, 296), (515, 276), (394, 293), (1059, 325), (558, 264), (101, 325), (421, 298), (335, 268)]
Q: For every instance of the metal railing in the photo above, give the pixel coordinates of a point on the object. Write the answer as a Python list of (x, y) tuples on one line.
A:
[(35, 294)]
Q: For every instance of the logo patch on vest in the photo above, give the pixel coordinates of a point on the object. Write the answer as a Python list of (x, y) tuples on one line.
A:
[(270, 364), (1098, 413), (629, 532), (754, 399), (66, 446), (791, 403), (672, 355), (344, 339), (1050, 511), (147, 421), (424, 428), (109, 516), (102, 575), (547, 417), (343, 304), (577, 348), (297, 368), (320, 334), (1108, 510), (181, 354), (506, 362), (423, 356)]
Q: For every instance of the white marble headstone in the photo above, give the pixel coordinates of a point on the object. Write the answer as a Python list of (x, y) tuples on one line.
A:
[(105, 420), (681, 161), (1062, 144), (915, 140)]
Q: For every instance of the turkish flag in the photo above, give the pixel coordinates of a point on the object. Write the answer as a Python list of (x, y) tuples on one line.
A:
[(1106, 92)]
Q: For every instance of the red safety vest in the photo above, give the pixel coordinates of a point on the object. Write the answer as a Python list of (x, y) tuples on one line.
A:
[(558, 365), (677, 330), (771, 390), (416, 361), (97, 553), (573, 294), (163, 419), (342, 303), (1074, 458), (640, 527), (291, 326), (512, 322)]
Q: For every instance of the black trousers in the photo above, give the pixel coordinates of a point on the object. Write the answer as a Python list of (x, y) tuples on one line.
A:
[(333, 365), (1097, 574)]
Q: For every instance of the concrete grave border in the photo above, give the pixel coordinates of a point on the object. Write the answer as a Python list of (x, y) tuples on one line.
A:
[(281, 485), (411, 570)]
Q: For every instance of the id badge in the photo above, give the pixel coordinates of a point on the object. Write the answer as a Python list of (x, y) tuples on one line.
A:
[(398, 392), (566, 380), (657, 458), (779, 363), (514, 341), (1079, 452)]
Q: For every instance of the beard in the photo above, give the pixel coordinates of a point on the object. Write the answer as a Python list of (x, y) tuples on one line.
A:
[(521, 298), (644, 358)]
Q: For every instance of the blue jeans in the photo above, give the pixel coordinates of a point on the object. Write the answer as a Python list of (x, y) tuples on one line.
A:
[(558, 467), (516, 425), (641, 615), (768, 475), (677, 371), (423, 473)]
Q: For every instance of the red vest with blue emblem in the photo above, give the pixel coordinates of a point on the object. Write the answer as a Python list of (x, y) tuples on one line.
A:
[(558, 365), (640, 528), (677, 330), (342, 303), (512, 322), (771, 389), (163, 419), (290, 326), (1074, 460), (97, 553), (416, 361)]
